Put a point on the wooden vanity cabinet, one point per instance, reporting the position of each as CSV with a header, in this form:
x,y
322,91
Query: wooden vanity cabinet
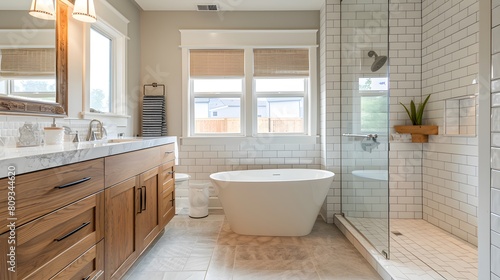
x,y
88,220
148,216
58,222
121,248
41,192
134,206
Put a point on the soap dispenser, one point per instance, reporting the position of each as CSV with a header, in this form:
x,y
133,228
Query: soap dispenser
x,y
53,135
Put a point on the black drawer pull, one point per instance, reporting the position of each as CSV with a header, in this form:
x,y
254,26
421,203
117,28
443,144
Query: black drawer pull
x,y
145,197
171,172
169,152
73,183
73,232
140,200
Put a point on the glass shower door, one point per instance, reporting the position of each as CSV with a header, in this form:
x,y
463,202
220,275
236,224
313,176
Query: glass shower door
x,y
365,119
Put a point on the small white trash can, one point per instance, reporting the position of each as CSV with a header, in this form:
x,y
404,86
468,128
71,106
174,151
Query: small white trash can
x,y
198,201
181,192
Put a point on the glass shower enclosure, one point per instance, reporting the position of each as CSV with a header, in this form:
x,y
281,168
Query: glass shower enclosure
x,y
365,118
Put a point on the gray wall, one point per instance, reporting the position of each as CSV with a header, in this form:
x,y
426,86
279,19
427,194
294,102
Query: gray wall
x,y
160,39
21,19
132,12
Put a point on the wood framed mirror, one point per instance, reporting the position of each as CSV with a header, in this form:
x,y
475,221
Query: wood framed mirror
x,y
59,108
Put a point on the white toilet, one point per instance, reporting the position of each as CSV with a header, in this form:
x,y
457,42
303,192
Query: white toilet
x,y
181,177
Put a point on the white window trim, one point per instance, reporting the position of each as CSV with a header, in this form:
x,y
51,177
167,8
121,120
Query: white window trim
x,y
305,94
241,95
249,39
118,65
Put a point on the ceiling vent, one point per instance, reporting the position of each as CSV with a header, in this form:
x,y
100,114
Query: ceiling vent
x,y
208,7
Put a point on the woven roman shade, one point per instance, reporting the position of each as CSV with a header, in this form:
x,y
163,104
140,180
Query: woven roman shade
x,y
16,63
281,62
217,63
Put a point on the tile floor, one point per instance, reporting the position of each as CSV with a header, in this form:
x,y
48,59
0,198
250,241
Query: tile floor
x,y
423,251
208,249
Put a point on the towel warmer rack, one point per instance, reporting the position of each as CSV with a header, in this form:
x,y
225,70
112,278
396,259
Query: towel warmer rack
x,y
154,85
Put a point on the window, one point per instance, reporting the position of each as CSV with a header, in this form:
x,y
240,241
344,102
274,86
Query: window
x,y
252,83
373,104
281,79
105,88
216,91
28,73
280,91
100,71
280,104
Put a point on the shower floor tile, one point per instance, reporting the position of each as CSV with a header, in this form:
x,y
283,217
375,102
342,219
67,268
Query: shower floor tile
x,y
422,251
208,249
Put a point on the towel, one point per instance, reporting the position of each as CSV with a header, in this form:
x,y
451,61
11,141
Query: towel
x,y
154,123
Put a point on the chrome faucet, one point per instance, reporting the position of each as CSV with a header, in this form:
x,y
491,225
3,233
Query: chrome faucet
x,y
93,135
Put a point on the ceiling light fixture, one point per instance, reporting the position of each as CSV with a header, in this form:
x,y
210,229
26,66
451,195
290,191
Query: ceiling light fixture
x,y
84,11
43,9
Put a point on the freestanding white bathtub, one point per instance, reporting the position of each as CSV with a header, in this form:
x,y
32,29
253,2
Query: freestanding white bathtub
x,y
272,202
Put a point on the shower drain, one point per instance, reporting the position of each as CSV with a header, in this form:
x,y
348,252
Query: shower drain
x,y
397,233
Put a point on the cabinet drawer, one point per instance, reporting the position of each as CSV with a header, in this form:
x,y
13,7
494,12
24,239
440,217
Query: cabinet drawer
x,y
47,245
89,266
167,207
41,192
167,176
168,152
123,166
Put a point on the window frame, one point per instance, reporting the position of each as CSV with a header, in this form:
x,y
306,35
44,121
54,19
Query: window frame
x,y
193,95
112,66
357,125
249,40
8,88
118,85
283,94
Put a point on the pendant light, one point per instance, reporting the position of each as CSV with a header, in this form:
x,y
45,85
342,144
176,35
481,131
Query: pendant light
x,y
84,11
43,9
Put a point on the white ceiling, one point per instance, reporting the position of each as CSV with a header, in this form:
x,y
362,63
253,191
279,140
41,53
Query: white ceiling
x,y
232,5
190,5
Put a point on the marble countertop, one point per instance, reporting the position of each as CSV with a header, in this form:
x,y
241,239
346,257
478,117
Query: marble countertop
x,y
29,159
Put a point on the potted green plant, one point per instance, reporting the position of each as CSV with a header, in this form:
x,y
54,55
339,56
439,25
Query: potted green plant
x,y
419,133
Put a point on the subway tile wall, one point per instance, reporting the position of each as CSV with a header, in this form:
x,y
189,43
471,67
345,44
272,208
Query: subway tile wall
x,y
10,124
495,131
364,28
405,57
330,102
199,161
460,116
9,127
405,164
449,70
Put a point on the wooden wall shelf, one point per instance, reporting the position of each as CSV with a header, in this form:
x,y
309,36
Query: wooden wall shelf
x,y
419,133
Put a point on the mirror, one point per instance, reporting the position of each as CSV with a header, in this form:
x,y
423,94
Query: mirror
x,y
44,96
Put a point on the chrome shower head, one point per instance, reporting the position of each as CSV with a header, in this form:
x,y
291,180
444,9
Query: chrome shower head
x,y
379,61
